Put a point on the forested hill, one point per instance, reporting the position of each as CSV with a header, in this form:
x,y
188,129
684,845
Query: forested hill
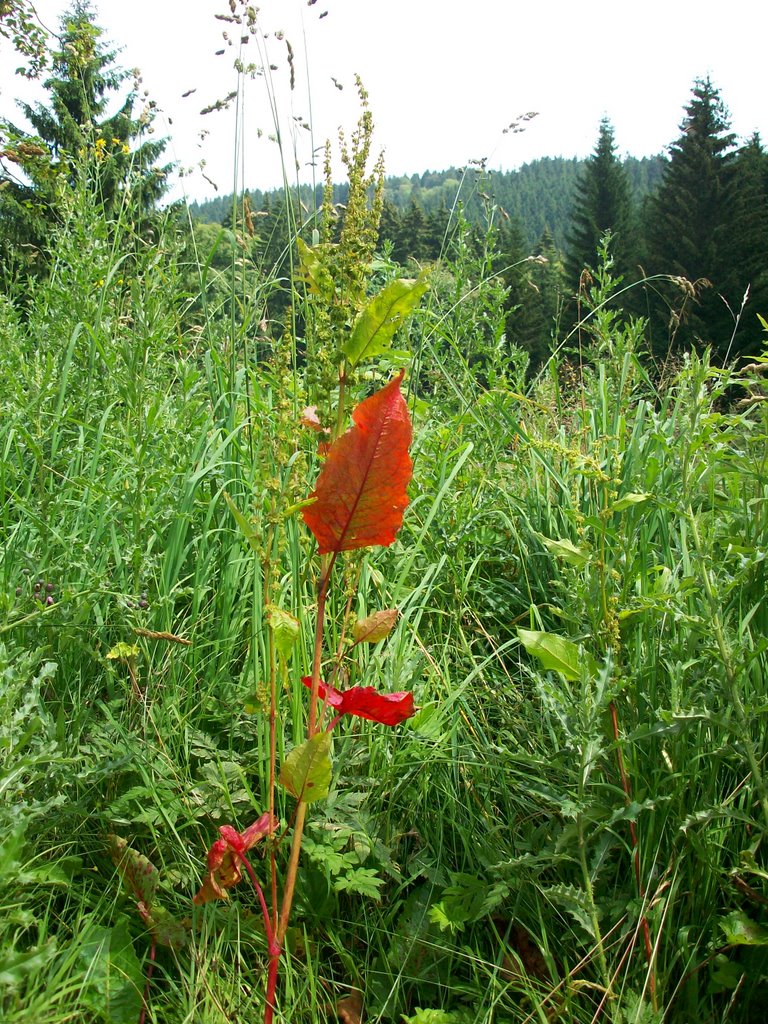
x,y
539,195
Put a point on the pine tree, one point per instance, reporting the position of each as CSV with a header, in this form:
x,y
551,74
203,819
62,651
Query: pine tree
x,y
74,137
536,296
689,221
602,203
746,246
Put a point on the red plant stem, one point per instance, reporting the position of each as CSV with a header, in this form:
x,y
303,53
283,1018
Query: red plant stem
x,y
267,566
274,947
150,972
635,856
326,567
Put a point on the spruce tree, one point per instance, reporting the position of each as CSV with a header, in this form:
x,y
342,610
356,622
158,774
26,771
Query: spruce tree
x,y
602,203
746,246
75,138
689,221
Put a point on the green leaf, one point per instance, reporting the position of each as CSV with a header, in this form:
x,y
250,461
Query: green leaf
x,y
245,526
114,977
566,550
556,653
741,930
376,325
629,499
576,902
18,965
285,629
306,772
364,881
167,930
123,652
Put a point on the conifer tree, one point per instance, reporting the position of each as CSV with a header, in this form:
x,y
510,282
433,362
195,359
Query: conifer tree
x,y
689,221
536,296
74,135
746,245
602,203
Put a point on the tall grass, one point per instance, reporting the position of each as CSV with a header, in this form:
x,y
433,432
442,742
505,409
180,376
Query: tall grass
x,y
530,847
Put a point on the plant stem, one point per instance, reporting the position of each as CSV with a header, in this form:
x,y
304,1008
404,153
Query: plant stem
x,y
150,972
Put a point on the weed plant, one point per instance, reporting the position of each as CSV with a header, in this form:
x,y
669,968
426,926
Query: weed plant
x,y
572,827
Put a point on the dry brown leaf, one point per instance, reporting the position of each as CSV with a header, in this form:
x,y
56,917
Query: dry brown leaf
x,y
350,1008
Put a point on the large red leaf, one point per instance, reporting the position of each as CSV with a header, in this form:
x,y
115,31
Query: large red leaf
x,y
361,491
366,702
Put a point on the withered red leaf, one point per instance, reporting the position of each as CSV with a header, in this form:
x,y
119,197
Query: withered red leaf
x,y
224,860
367,702
361,492
309,418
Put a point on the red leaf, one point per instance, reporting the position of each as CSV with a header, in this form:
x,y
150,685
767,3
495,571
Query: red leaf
x,y
361,491
366,702
224,861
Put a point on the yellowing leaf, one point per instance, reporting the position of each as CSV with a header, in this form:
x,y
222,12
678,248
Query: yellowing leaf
x,y
306,772
375,627
566,550
313,271
285,629
123,651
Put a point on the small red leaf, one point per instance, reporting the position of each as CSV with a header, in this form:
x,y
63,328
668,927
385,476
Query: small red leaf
x,y
224,858
366,702
361,491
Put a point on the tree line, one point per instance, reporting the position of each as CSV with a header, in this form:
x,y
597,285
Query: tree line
x,y
688,231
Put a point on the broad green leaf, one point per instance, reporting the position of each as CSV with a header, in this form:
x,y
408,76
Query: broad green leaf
x,y
17,965
556,653
114,977
627,500
741,930
376,325
285,629
306,772
566,550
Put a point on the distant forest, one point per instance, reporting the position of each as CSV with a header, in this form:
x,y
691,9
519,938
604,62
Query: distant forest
x,y
539,196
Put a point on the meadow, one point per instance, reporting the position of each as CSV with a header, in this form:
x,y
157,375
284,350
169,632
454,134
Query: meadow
x,y
572,824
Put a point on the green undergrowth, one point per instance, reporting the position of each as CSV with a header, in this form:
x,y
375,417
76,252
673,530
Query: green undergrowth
x,y
573,825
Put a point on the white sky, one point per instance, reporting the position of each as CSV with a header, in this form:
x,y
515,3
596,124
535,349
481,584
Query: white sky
x,y
445,78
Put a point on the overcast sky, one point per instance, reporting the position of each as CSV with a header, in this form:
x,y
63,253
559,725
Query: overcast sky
x,y
445,78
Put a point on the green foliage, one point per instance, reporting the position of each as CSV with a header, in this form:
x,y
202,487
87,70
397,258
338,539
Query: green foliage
x,y
602,203
580,582
306,771
74,141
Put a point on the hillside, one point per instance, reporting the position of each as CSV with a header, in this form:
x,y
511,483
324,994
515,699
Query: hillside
x,y
538,195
